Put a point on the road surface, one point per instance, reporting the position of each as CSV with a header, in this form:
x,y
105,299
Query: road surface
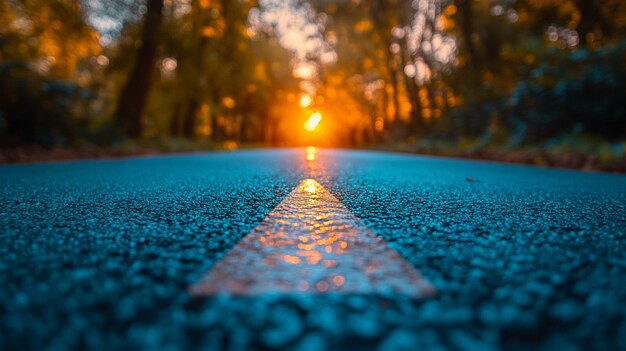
x,y
101,255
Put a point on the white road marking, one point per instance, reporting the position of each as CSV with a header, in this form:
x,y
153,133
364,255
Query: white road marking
x,y
311,243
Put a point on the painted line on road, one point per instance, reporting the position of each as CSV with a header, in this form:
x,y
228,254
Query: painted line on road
x,y
311,243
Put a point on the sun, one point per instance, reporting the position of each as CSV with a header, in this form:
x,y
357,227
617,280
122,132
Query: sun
x,y
314,120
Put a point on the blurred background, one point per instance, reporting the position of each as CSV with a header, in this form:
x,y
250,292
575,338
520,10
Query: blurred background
x,y
535,81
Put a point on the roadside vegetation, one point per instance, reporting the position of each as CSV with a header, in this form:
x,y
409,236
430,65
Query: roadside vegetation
x,y
540,82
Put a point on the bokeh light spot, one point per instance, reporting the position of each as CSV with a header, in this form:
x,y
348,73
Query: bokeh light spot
x,y
312,122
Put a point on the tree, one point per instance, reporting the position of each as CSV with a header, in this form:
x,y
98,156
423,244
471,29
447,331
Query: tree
x,y
45,47
133,97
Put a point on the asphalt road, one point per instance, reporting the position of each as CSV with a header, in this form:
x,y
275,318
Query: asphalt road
x,y
100,255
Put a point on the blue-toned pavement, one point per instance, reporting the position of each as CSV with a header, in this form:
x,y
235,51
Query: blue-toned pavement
x,y
100,255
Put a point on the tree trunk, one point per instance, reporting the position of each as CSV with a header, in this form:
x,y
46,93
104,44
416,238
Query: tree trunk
x,y
395,100
467,29
416,122
216,127
378,13
189,118
134,95
196,87
176,118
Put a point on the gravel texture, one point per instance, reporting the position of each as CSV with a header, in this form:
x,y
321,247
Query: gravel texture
x,y
99,255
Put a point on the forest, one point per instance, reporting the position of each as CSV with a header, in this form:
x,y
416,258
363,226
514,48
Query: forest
x,y
430,76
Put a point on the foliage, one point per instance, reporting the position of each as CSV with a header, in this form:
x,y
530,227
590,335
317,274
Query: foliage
x,y
582,91
36,109
509,72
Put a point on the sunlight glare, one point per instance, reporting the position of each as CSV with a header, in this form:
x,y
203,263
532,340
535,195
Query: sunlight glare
x,y
311,124
310,153
309,186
